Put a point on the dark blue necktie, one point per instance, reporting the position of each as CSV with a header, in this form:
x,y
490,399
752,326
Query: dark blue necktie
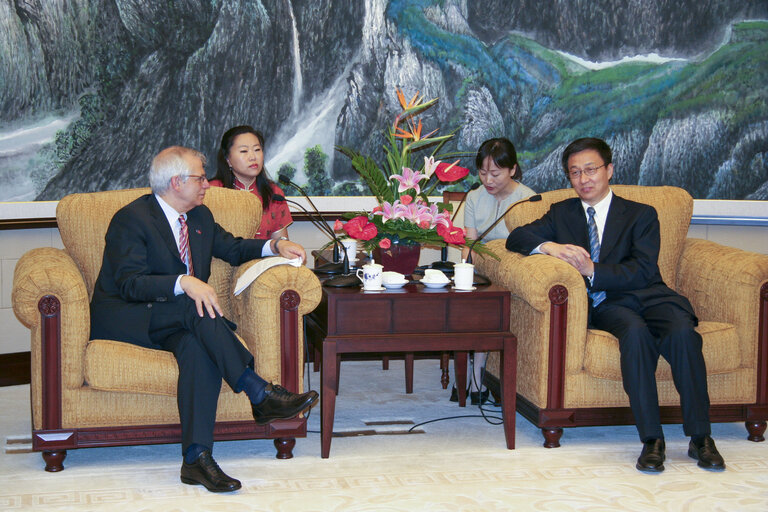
x,y
594,253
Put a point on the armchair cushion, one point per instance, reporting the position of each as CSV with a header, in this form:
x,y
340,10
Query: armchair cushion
x,y
116,366
601,359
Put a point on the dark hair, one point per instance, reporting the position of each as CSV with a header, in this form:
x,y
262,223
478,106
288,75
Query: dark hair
x,y
503,154
224,171
584,144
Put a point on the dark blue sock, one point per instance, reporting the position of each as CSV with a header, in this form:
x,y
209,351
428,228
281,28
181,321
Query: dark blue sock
x,y
253,385
193,452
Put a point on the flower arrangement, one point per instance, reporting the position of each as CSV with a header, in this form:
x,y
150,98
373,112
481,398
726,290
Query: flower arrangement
x,y
405,214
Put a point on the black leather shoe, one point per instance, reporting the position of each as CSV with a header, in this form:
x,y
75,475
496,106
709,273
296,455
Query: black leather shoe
x,y
205,471
281,404
707,455
652,457
479,397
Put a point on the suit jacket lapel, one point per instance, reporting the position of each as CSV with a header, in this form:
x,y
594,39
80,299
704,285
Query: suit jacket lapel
x,y
613,226
577,224
162,226
195,246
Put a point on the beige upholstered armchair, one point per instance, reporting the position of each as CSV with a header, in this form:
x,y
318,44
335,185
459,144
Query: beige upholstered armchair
x,y
105,393
569,375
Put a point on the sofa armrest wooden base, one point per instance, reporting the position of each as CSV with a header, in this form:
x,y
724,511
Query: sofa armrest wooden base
x,y
54,443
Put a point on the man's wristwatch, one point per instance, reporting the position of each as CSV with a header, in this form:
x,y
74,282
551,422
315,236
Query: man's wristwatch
x,y
277,240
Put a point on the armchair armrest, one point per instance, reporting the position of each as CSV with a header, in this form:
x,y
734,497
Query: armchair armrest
x,y
723,285
531,277
49,272
269,316
536,283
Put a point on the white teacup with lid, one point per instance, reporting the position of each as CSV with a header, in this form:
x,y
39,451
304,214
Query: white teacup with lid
x,y
463,275
371,276
350,246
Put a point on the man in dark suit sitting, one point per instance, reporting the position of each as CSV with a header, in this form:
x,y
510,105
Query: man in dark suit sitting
x,y
614,243
152,291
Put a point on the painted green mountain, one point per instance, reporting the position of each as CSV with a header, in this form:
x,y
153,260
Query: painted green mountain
x,y
701,124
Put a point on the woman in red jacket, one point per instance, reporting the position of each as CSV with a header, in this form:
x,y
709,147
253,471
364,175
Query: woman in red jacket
x,y
240,165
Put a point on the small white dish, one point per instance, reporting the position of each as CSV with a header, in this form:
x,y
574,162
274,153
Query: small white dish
x,y
434,284
464,289
395,285
374,289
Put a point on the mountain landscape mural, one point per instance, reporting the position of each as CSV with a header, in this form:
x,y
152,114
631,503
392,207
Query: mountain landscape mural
x,y
91,90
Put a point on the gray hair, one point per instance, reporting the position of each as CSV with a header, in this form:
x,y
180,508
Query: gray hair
x,y
169,163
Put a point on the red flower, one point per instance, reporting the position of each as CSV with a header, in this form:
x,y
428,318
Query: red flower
x,y
360,229
406,199
450,172
376,209
338,225
451,234
424,224
385,243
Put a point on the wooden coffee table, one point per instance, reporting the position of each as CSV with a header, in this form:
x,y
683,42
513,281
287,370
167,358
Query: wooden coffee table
x,y
413,319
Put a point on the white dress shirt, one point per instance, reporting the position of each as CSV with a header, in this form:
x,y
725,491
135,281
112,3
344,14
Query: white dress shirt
x,y
601,213
172,216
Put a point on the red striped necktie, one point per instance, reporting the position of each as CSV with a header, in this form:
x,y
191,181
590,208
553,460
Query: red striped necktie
x,y
184,245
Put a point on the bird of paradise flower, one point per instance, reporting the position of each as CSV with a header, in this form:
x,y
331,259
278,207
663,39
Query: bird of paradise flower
x,y
404,213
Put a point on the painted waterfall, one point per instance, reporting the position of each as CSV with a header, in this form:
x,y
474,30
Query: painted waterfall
x,y
91,89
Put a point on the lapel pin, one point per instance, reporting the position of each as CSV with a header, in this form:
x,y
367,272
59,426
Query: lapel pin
x,y
198,232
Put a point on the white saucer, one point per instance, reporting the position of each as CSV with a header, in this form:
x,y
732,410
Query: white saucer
x,y
429,284
464,289
374,289
395,286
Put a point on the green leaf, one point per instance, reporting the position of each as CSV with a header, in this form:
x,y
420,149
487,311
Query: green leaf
x,y
371,173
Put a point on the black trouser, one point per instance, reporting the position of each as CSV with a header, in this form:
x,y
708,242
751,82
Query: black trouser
x,y
666,330
206,351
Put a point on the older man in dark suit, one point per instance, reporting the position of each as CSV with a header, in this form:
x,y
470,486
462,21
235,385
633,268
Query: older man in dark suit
x,y
614,244
152,291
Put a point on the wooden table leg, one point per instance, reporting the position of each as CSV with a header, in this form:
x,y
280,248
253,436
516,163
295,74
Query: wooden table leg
x,y
460,365
329,387
445,362
509,389
408,372
338,372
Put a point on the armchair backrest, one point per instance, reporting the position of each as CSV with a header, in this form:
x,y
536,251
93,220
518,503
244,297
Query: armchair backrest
x,y
83,220
673,205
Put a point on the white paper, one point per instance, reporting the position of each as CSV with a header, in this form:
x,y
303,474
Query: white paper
x,y
256,270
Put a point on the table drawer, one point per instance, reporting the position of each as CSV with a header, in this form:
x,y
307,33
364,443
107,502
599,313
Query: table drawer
x,y
418,314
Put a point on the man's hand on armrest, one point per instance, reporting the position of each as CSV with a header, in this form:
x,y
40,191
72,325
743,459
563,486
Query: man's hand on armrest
x,y
203,294
288,249
574,255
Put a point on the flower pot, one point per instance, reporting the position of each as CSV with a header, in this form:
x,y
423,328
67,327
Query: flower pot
x,y
403,258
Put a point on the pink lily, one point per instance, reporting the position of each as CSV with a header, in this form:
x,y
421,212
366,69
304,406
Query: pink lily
x,y
419,214
430,165
388,211
443,218
409,179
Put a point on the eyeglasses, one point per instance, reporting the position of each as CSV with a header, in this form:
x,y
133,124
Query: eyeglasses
x,y
589,171
200,179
